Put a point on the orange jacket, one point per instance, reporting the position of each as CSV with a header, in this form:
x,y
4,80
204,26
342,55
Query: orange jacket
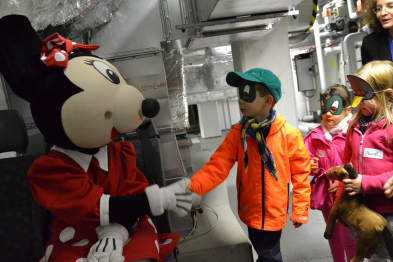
x,y
262,201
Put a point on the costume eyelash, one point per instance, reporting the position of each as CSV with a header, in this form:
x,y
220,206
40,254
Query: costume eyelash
x,y
89,62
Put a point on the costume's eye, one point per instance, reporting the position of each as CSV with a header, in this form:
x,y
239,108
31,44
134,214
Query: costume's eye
x,y
360,93
246,92
106,71
334,107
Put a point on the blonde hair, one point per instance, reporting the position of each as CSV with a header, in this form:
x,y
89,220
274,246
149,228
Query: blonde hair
x,y
371,19
379,75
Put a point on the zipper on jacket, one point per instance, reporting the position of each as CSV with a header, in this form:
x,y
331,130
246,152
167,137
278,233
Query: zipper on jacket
x,y
361,149
288,197
263,195
238,198
361,155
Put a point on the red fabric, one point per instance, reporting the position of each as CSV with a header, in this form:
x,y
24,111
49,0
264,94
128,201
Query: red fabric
x,y
59,184
55,50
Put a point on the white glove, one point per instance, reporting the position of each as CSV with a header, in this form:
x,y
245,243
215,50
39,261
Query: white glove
x,y
172,197
196,199
109,247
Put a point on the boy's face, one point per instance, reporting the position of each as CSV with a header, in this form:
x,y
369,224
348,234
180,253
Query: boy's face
x,y
259,108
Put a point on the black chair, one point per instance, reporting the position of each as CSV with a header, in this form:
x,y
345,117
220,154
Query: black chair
x,y
24,225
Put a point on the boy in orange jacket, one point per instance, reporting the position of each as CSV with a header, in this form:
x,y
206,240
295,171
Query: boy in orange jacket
x,y
270,155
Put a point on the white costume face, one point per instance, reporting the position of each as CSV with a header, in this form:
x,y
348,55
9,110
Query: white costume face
x,y
107,106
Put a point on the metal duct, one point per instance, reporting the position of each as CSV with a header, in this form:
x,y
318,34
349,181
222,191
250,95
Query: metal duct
x,y
174,71
205,73
71,18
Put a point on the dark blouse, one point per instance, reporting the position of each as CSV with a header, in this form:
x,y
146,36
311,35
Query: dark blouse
x,y
375,47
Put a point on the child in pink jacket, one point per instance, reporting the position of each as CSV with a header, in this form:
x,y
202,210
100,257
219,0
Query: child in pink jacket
x,y
325,145
369,144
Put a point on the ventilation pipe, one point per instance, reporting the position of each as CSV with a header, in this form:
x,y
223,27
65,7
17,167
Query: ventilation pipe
x,y
331,50
351,9
349,51
321,65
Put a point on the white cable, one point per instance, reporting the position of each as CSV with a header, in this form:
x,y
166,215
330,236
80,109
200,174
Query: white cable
x,y
190,236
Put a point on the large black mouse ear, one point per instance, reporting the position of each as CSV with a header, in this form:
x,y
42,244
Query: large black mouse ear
x,y
20,62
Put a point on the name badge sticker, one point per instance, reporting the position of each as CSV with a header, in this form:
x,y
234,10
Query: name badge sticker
x,y
373,153
321,153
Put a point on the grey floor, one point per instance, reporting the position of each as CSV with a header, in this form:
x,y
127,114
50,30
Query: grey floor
x,y
302,244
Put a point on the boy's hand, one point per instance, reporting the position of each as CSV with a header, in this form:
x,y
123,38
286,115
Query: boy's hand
x,y
333,189
172,197
314,165
388,188
353,186
297,224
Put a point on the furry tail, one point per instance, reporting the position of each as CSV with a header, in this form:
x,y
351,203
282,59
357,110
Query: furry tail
x,y
387,236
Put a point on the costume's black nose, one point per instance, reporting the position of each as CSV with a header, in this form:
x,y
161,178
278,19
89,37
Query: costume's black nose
x,y
150,107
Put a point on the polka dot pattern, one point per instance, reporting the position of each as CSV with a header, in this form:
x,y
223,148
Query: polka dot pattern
x,y
152,224
169,240
67,234
48,252
59,57
157,246
81,243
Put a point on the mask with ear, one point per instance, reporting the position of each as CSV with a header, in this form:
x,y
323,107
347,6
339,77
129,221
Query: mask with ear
x,y
78,101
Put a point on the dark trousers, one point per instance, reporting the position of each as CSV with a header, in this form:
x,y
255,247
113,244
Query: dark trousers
x,y
266,244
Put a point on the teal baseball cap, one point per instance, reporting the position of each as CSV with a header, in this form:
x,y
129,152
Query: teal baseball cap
x,y
257,75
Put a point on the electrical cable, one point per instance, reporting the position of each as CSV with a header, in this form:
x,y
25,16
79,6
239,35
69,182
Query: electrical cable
x,y
190,236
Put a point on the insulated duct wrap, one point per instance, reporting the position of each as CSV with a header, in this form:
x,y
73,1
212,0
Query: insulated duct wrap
x,y
71,18
205,73
174,66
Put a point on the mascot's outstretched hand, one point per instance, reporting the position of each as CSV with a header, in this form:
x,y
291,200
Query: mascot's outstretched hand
x,y
109,247
172,197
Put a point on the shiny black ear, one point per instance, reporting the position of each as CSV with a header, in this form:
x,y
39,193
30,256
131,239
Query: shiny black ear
x,y
20,62
351,170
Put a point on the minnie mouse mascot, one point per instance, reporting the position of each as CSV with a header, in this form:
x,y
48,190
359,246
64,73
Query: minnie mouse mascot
x,y
81,103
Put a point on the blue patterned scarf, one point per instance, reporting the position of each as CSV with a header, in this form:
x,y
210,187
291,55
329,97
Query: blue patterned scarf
x,y
254,130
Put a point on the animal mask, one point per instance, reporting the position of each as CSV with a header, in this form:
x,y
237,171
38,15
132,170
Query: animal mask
x,y
361,89
334,105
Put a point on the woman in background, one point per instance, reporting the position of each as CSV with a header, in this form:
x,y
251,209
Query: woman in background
x,y
378,45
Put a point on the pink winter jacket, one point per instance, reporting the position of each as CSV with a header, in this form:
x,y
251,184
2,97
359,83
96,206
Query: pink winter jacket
x,y
372,156
330,154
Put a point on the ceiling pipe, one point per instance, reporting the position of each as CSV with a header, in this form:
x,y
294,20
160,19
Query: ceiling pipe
x,y
331,50
349,51
351,9
318,47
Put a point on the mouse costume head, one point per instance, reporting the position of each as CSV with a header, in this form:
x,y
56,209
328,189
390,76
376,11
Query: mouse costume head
x,y
78,101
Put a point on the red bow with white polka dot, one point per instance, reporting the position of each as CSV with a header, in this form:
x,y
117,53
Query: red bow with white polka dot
x,y
55,50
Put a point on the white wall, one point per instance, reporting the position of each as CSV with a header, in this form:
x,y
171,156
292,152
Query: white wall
x,y
234,113
272,53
